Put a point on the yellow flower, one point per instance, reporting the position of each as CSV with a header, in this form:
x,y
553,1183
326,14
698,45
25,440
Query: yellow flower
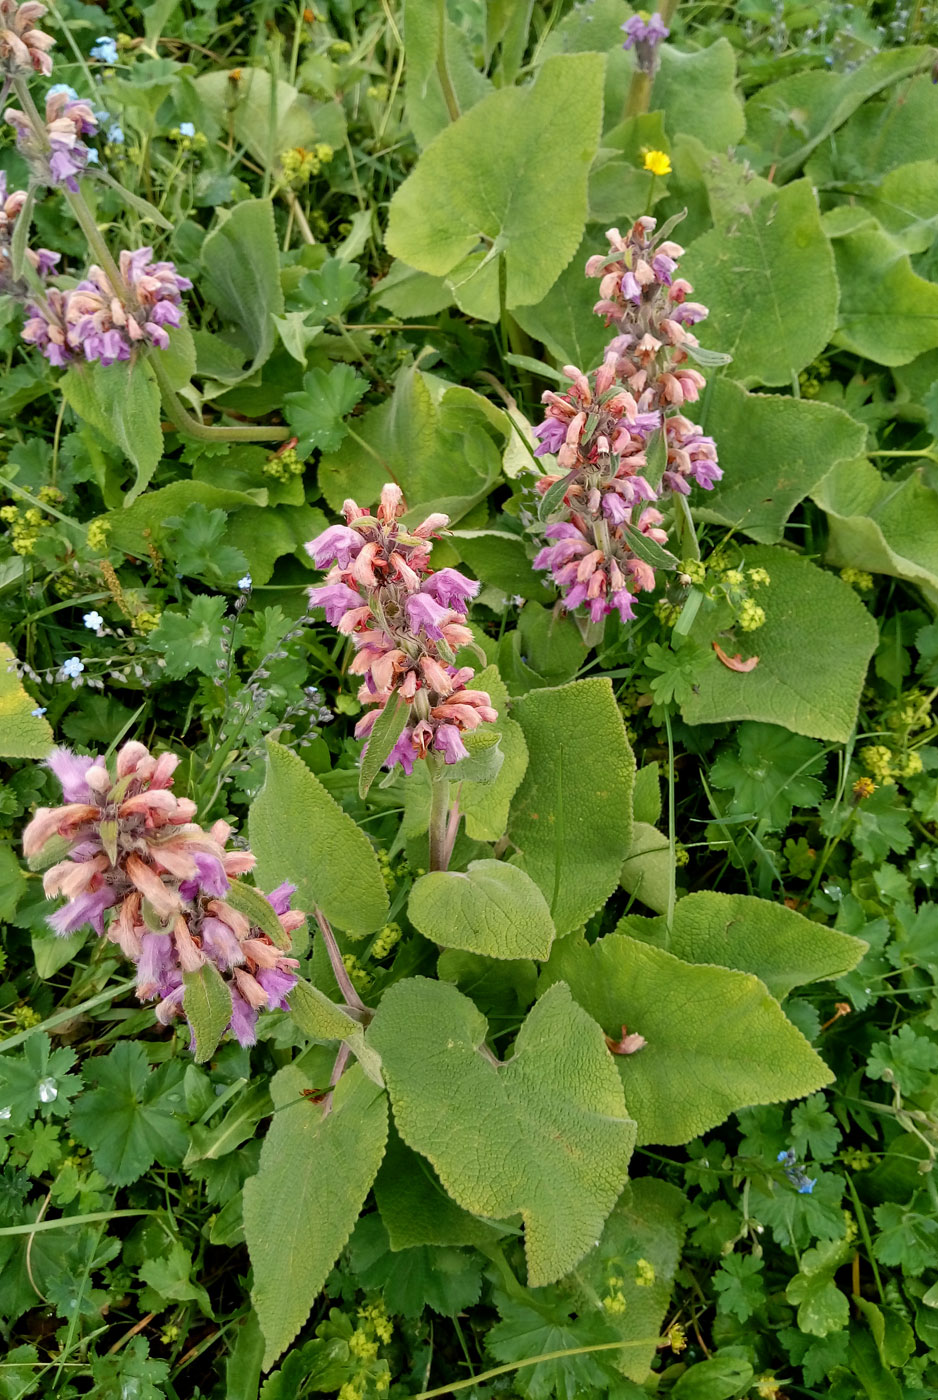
x,y
657,162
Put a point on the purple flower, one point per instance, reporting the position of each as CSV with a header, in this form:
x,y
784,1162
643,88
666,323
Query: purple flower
x,y
336,545
277,984
623,600
87,908
645,38
706,472
70,769
630,288
402,752
423,612
614,508
336,598
158,965
450,588
551,434
279,899
212,877
243,1023
221,944
663,268
448,742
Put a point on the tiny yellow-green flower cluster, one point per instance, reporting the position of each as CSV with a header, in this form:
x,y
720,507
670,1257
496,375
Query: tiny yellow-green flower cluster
x,y
887,765
375,1315
360,976
283,465
858,579
25,1016
751,616
910,712
676,1338
810,379
98,532
25,527
145,622
387,939
615,1302
644,1273
695,569
667,613
299,164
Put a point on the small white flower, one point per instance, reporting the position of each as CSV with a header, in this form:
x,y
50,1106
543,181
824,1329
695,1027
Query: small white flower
x,y
73,667
186,129
245,583
93,621
39,711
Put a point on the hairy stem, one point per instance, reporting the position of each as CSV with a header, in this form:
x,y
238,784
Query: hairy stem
x,y
449,95
640,88
182,419
338,966
439,820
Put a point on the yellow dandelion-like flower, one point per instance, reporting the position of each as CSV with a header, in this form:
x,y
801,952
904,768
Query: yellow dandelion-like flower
x,y
657,162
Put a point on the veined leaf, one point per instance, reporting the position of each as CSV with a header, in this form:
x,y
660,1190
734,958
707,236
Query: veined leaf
x,y
207,1004
22,733
493,908
388,728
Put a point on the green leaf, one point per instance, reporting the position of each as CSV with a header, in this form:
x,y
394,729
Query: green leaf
x,y
687,84
122,402
717,1378
907,1060
483,762
799,441
198,548
740,1286
168,1277
813,1129
193,641
322,1019
299,833
207,1006
316,412
727,1046
812,619
564,320
456,198
128,527
552,1327
646,870
22,734
268,117
572,815
545,1134
632,1269
258,908
21,1077
646,796
330,289
787,120
880,524
493,909
887,312
822,1308
775,943
501,561
770,775
315,1172
415,1208
908,1234
388,728
129,1120
241,275
758,275
435,440
409,1280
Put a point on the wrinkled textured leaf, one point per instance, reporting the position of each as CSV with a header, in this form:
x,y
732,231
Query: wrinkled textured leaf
x,y
122,402
22,734
299,833
545,1134
207,1004
716,1040
299,1210
492,908
572,816
879,524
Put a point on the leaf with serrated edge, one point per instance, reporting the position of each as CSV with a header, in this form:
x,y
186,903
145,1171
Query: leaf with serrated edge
x,y
299,833
546,1133
206,1002
572,815
299,1210
716,1041
752,935
492,908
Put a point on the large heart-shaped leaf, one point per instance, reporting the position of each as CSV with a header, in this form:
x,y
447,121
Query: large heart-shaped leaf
x,y
492,908
716,1041
546,1134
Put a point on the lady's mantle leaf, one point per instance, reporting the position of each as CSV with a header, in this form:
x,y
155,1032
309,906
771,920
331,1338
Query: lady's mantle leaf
x,y
716,1040
546,1134
493,909
300,1209
129,1120
316,412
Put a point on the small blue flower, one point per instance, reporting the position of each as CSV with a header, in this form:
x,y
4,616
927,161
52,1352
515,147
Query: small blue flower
x,y
807,1186
104,50
93,157
186,129
73,667
93,620
115,135
245,583
783,1156
39,711
63,87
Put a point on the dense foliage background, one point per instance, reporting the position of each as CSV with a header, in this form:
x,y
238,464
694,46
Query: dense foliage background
x,y
152,585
